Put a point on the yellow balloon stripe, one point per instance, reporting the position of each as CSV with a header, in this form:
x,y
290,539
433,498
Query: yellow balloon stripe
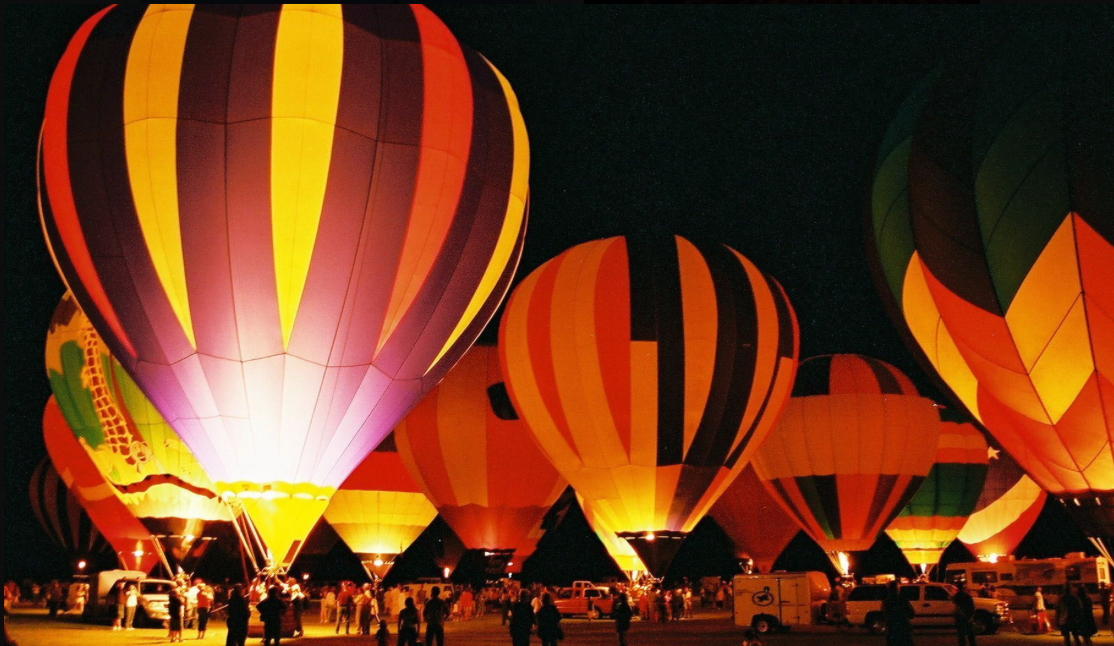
x,y
150,138
309,55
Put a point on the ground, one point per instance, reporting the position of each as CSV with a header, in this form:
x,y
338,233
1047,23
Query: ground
x,y
33,628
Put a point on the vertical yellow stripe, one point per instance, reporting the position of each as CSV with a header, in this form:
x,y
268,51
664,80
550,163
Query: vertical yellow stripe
x,y
309,56
512,222
150,142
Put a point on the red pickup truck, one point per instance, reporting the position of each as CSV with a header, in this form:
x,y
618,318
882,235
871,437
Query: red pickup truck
x,y
577,600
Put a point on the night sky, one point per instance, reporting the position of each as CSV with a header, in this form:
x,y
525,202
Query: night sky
x,y
753,126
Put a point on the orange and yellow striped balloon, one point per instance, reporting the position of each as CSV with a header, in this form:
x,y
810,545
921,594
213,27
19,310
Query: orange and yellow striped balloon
x,y
852,447
649,370
474,459
287,222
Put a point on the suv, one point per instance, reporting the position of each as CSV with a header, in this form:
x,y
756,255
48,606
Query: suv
x,y
932,606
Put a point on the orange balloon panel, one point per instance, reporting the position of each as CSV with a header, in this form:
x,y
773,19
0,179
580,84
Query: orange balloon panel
x,y
853,445
755,522
475,460
649,371
618,549
133,543
380,510
993,227
1006,510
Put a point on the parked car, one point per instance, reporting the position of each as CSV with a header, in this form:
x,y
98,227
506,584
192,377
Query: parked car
x,y
574,601
932,606
154,596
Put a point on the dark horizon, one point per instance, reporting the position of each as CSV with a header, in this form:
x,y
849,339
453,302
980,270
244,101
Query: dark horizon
x,y
752,126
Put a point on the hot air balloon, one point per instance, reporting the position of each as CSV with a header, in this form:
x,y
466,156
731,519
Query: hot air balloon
x,y
134,448
62,517
287,222
755,522
1005,511
470,453
617,548
648,371
135,548
992,222
939,509
852,447
379,510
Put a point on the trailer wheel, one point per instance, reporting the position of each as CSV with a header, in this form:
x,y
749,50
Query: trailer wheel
x,y
763,624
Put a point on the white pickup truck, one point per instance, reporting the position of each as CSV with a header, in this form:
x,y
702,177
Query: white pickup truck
x,y
932,606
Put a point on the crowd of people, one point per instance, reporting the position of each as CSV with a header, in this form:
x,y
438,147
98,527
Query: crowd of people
x,y
421,610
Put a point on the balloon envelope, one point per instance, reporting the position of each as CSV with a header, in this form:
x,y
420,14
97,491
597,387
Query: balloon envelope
x,y
61,515
649,371
1008,506
617,548
852,447
992,221
134,448
380,510
286,221
135,548
754,521
940,507
472,456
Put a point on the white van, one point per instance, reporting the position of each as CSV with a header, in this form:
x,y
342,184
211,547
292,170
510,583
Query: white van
x,y
779,600
154,596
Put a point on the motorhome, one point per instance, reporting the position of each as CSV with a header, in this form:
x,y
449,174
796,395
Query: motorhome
x,y
1017,580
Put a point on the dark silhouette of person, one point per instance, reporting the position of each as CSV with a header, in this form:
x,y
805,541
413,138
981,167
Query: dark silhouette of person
x,y
622,613
434,613
409,623
270,611
964,616
549,622
522,620
898,613
1085,625
1067,616
238,615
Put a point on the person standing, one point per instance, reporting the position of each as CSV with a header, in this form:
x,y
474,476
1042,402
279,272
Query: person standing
x,y
1040,613
205,596
522,620
505,606
344,608
298,602
131,601
898,614
238,615
622,613
1085,626
662,606
964,616
117,598
359,601
1104,603
174,609
409,624
434,613
270,611
328,605
1067,615
548,619
53,598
